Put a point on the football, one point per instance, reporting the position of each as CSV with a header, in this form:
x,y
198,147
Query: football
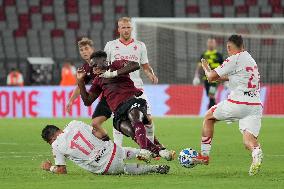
x,y
186,157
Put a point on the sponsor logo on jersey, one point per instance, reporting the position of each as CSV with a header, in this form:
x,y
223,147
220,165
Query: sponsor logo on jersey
x,y
135,47
117,47
126,57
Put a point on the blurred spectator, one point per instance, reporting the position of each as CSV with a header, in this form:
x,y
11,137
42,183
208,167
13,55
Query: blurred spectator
x,y
15,78
68,74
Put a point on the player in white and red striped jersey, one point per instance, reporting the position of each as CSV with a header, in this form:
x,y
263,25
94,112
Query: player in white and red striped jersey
x,y
127,48
243,103
78,143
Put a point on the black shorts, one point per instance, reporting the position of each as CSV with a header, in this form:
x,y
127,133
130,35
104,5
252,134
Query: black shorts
x,y
121,113
102,109
211,88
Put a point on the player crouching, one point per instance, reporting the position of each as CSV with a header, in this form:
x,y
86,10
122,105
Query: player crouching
x,y
78,143
243,103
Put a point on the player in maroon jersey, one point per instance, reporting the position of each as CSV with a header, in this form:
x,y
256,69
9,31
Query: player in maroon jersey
x,y
130,112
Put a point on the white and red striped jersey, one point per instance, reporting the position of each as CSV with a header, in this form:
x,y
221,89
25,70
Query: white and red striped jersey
x,y
133,51
244,78
78,144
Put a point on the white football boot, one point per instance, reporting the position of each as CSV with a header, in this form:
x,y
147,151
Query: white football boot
x,y
257,157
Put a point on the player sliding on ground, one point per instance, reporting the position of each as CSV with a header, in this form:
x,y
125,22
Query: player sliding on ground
x,y
78,142
243,103
130,111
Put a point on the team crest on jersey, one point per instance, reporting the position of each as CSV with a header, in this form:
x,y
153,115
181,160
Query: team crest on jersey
x,y
135,47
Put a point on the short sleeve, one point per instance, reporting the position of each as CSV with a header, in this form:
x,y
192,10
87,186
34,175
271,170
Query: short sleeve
x,y
144,55
229,65
95,88
59,158
107,50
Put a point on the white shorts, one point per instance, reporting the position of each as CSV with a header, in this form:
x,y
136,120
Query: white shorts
x,y
249,116
145,97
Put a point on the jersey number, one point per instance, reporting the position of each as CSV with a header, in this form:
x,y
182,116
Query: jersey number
x,y
251,82
79,138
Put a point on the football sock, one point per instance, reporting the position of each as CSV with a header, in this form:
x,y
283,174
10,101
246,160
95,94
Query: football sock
x,y
135,169
256,150
130,153
117,137
141,139
211,103
150,132
205,145
140,135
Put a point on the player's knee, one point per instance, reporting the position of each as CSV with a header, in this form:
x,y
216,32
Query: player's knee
x,y
135,115
150,120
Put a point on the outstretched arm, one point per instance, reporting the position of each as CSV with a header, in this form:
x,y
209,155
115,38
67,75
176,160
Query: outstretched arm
x,y
130,67
148,70
59,169
210,74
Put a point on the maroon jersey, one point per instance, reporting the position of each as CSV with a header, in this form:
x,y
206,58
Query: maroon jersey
x,y
89,73
116,90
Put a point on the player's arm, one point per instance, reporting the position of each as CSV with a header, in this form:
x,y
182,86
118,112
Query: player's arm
x,y
58,169
196,79
149,72
130,67
210,74
75,94
88,98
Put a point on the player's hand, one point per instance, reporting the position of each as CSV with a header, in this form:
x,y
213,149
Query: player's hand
x,y
69,106
46,165
205,64
196,81
109,74
81,73
153,78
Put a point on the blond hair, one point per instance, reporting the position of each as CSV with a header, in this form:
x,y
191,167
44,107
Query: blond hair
x,y
85,41
124,19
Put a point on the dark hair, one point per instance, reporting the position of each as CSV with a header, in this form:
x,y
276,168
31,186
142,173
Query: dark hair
x,y
99,54
48,132
237,40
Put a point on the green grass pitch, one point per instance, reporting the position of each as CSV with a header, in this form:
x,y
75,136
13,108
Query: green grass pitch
x,y
22,150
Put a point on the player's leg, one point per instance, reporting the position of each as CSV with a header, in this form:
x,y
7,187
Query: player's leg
x,y
211,94
250,127
100,115
138,169
207,135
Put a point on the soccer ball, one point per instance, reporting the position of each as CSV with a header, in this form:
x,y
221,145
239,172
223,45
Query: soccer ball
x,y
186,157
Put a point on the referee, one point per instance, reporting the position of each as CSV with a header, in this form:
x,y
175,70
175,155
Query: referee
x,y
214,59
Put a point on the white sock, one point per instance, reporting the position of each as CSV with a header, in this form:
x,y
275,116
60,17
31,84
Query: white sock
x,y
150,132
206,146
130,153
117,137
138,169
256,151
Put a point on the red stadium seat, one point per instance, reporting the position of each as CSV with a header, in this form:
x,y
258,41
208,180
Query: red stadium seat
x,y
216,2
243,9
73,25
34,9
9,3
264,26
265,14
47,17
71,6
119,9
46,2
217,15
57,33
228,2
24,20
193,9
20,33
95,2
267,41
278,10
275,2
97,17
251,2
2,14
